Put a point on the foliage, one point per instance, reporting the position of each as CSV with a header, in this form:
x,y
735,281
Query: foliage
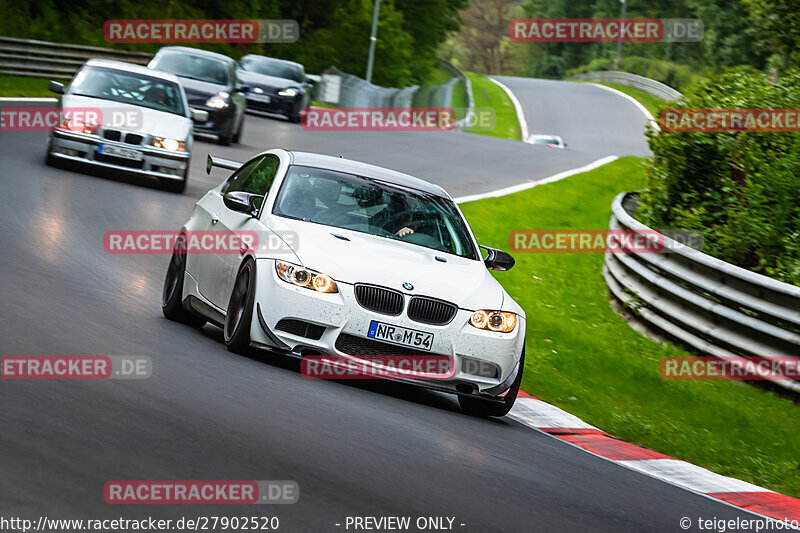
x,y
742,189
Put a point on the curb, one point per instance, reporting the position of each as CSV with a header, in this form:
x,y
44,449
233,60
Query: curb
x,y
559,424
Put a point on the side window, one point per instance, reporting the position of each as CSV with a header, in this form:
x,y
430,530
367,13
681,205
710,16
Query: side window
x,y
255,177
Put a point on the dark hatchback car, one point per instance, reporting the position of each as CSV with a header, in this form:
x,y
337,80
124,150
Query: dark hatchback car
x,y
276,85
211,84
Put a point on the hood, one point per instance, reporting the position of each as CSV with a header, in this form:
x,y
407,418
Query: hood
x,y
154,122
389,263
254,79
201,89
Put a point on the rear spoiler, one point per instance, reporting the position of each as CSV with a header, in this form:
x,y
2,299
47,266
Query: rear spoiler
x,y
221,163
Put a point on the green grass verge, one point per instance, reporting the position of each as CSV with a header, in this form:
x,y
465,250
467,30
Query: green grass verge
x,y
25,87
654,104
584,358
489,95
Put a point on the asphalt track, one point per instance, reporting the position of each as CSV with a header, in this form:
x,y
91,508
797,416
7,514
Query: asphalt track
x,y
354,449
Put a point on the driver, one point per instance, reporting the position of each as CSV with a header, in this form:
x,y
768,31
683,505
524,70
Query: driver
x,y
398,216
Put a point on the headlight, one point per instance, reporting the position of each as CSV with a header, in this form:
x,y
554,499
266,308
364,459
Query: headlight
x,y
169,144
78,126
493,320
303,277
218,101
291,91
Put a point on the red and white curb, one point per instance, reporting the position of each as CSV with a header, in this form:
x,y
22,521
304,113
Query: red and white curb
x,y
542,416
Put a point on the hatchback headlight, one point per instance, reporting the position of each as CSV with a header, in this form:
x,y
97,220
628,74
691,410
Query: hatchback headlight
x,y
291,91
304,277
169,144
218,101
503,321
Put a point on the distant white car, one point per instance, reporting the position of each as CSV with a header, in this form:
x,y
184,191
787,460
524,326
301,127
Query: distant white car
x,y
156,143
383,264
553,141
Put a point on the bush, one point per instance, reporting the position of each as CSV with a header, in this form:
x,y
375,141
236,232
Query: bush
x,y
741,189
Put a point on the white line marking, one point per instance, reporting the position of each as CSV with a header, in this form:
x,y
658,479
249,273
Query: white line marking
x,y
541,414
26,99
523,124
531,184
634,101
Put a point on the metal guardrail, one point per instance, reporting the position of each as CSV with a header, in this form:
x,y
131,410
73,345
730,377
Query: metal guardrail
x,y
41,59
656,88
711,306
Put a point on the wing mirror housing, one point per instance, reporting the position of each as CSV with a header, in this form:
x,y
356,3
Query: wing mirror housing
x,y
56,87
498,259
243,202
199,115
242,89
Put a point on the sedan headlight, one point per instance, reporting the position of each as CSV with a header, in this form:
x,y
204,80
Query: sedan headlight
x,y
303,277
291,91
169,144
503,321
218,101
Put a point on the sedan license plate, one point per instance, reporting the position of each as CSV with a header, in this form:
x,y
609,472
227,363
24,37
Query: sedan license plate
x,y
261,98
118,151
401,336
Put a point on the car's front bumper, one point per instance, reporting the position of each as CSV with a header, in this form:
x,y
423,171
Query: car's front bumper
x,y
82,148
219,123
281,105
340,314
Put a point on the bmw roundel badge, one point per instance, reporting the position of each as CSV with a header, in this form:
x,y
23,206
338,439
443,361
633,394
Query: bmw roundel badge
x,y
407,286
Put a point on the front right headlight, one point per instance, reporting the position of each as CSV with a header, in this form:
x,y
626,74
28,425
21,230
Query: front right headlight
x,y
290,91
304,277
502,321
218,101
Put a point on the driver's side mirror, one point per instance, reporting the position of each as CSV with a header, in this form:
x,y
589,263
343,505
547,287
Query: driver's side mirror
x,y
244,89
243,202
498,259
56,87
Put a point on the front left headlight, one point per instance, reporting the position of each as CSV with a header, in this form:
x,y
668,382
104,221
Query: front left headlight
x,y
169,144
291,91
218,101
502,321
304,277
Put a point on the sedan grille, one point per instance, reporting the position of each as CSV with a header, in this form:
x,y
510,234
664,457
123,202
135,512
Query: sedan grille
x,y
380,300
352,345
112,135
133,138
430,311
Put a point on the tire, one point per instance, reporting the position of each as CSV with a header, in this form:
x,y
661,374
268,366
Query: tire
x,y
294,119
485,408
240,309
49,160
237,138
172,294
175,185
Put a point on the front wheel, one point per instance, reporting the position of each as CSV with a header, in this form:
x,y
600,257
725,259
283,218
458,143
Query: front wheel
x,y
240,309
484,408
171,298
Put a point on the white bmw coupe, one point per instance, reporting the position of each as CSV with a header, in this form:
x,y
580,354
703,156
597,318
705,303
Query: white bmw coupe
x,y
371,263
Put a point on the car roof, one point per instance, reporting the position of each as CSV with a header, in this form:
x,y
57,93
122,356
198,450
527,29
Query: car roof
x,y
276,60
366,170
196,52
130,67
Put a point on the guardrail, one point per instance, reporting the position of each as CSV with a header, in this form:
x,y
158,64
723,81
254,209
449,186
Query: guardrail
x,y
711,306
656,88
41,59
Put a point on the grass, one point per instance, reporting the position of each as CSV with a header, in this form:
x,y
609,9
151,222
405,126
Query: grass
x,y
25,87
584,358
654,104
489,95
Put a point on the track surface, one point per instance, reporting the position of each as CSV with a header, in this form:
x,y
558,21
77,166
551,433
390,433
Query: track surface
x,y
354,449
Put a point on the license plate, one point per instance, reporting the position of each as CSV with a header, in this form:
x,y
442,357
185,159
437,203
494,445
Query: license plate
x,y
118,151
261,98
401,336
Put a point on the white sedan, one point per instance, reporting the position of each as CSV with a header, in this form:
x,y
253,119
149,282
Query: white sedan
x,y
370,263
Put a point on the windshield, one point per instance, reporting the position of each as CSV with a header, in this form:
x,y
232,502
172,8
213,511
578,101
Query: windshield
x,y
128,88
369,206
193,67
268,67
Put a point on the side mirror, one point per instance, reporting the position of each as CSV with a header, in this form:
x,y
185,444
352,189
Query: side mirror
x,y
56,87
243,202
498,259
199,115
242,89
